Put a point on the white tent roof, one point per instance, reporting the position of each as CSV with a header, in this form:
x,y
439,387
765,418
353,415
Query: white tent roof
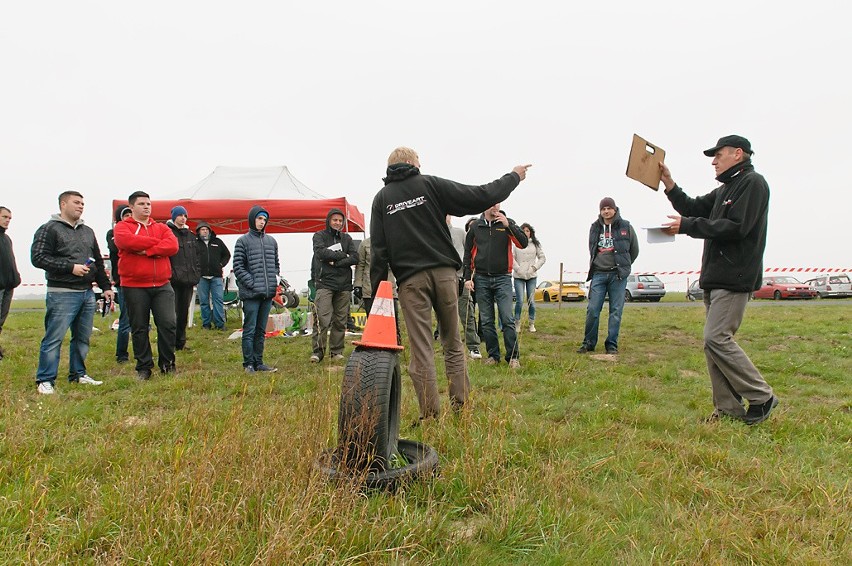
x,y
250,183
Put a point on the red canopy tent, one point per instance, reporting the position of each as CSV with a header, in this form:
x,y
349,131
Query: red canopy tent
x,y
223,199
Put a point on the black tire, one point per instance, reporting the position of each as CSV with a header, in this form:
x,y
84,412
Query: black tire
x,y
690,297
655,299
776,295
628,297
546,297
368,422
422,462
291,300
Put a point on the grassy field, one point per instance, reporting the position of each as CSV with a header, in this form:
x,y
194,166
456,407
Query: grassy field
x,y
571,460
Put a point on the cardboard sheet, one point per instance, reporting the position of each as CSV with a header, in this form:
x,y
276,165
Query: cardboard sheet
x,y
643,165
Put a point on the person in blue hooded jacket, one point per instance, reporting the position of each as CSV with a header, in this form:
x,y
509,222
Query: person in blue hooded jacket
x,y
256,267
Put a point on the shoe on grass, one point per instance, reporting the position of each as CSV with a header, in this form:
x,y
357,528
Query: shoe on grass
x,y
489,361
264,367
584,349
757,413
249,369
87,380
475,354
336,357
514,363
612,351
532,326
143,374
45,388
315,359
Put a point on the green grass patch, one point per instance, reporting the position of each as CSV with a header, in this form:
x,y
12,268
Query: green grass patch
x,y
574,459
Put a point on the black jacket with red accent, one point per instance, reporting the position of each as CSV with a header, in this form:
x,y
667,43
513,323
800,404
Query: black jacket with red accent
x,y
488,247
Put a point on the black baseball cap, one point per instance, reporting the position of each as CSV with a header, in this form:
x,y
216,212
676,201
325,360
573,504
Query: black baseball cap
x,y
730,141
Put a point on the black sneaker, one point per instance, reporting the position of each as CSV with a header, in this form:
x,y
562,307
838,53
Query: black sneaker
x,y
122,360
612,351
249,369
759,413
584,349
264,367
143,374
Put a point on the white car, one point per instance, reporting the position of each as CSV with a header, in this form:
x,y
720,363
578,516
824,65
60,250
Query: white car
x,y
833,285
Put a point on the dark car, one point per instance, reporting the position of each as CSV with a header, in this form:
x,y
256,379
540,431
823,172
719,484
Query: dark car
x,y
784,287
695,293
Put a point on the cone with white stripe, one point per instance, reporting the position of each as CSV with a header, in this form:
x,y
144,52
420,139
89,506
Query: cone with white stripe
x,y
380,330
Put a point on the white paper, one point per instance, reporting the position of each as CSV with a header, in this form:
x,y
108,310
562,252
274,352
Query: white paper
x,y
336,247
657,235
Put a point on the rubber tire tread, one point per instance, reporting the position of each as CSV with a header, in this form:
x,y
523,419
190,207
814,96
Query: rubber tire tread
x,y
368,420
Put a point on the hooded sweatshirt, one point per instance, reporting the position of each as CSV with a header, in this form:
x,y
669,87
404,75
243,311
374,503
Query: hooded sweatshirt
x,y
186,263
408,227
256,264
612,247
214,253
334,255
143,252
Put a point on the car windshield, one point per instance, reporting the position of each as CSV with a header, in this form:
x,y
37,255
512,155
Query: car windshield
x,y
839,279
648,278
785,280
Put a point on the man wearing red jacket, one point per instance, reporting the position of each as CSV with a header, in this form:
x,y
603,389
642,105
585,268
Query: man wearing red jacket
x,y
144,248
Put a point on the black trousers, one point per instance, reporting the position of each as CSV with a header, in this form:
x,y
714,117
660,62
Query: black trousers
x,y
141,303
183,296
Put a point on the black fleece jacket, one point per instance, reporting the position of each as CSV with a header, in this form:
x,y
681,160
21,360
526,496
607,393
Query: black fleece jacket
x,y
408,228
488,247
732,220
214,253
332,269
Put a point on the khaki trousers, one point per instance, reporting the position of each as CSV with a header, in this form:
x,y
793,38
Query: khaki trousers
x,y
434,289
733,376
331,311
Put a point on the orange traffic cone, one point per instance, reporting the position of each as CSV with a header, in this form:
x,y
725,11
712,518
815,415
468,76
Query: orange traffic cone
x,y
380,330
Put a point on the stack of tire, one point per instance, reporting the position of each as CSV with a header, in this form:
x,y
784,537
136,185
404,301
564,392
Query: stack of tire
x,y
369,449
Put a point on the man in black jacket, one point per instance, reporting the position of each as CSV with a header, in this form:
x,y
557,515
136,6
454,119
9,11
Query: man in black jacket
x,y
211,286
9,276
334,255
732,221
613,247
122,337
186,270
68,252
488,272
409,233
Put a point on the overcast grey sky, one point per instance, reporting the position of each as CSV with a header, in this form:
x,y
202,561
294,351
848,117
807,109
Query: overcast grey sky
x,y
110,97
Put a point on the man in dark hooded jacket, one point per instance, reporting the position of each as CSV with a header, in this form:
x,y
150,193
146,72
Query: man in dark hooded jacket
x,y
211,287
186,270
409,233
613,247
9,276
256,268
334,255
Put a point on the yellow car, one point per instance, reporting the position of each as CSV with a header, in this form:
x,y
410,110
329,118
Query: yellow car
x,y
548,291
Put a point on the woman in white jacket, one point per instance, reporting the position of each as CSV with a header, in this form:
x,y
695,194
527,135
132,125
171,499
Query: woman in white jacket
x,y
527,262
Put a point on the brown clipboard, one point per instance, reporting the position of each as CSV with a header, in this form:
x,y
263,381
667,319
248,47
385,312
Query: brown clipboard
x,y
643,164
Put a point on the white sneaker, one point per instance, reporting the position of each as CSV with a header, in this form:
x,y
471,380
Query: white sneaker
x,y
475,355
89,381
337,357
514,363
45,388
532,326
315,359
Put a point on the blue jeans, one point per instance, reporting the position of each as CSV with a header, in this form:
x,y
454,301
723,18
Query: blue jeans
x,y
212,290
604,285
122,339
75,310
255,314
528,286
490,289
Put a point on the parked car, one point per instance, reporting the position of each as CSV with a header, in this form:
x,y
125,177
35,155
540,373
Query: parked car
x,y
548,291
644,287
831,285
784,287
695,293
